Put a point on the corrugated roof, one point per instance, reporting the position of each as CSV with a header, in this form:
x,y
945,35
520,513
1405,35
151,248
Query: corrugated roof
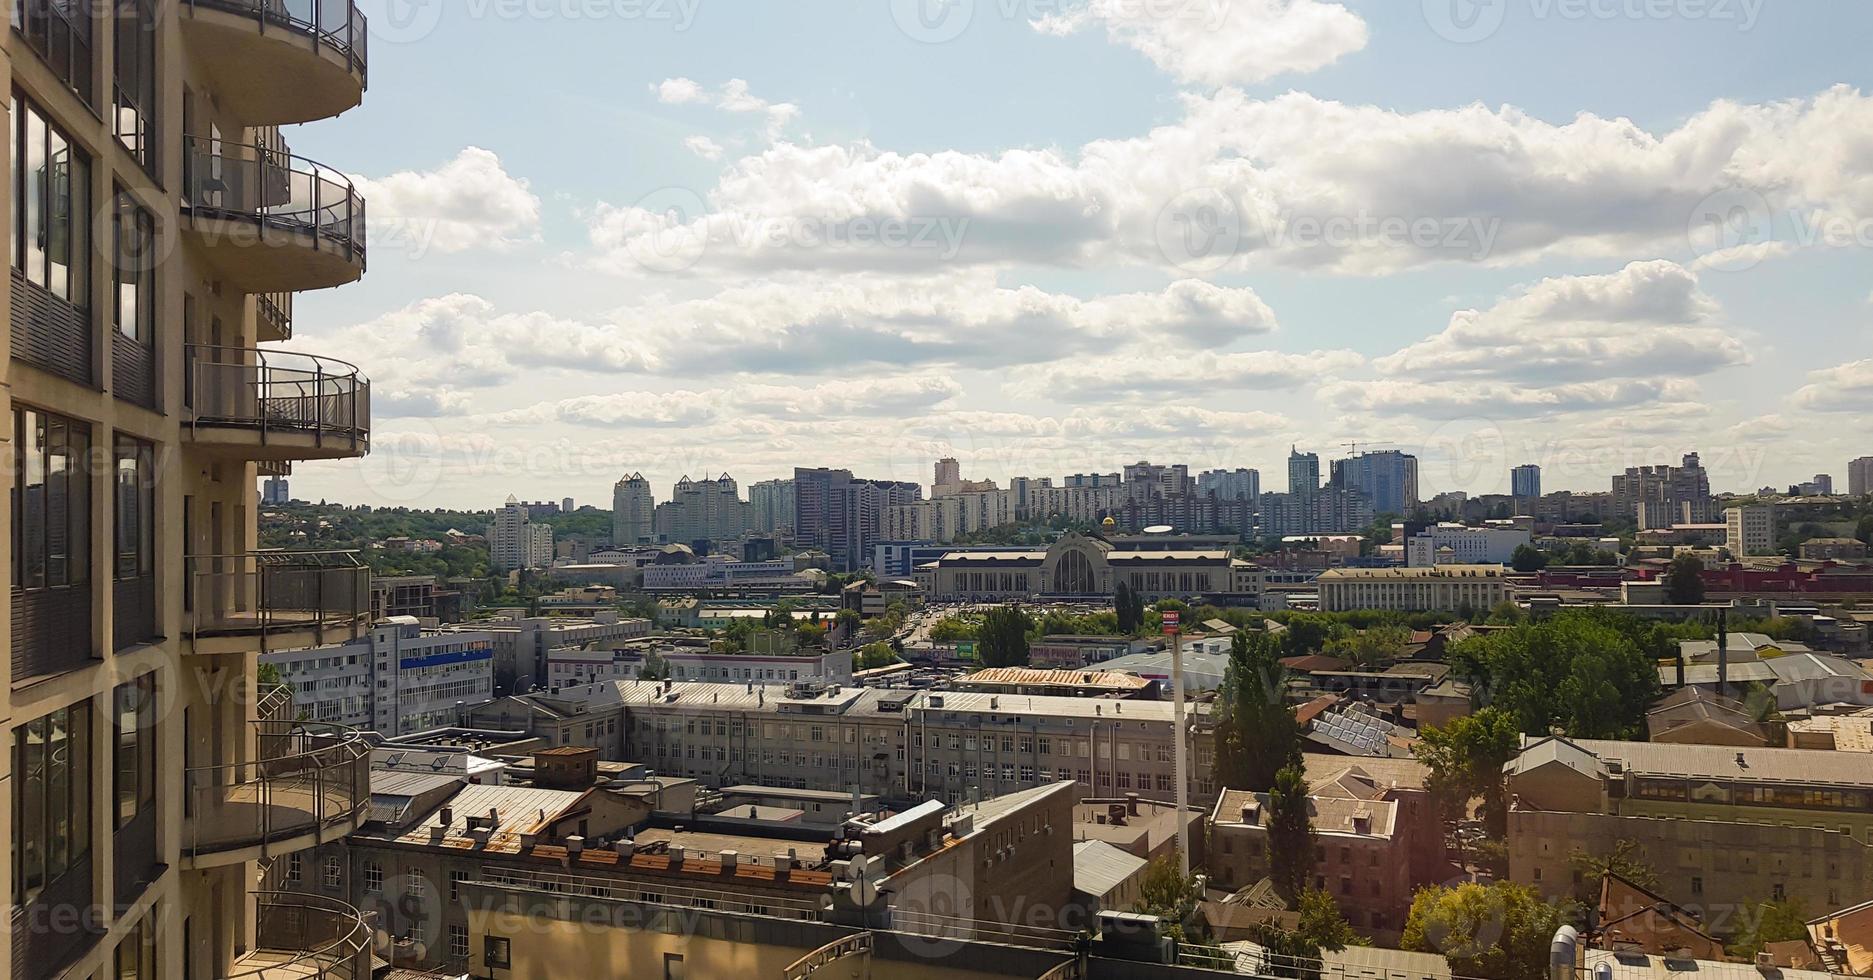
x,y
1810,766
1099,867
1065,678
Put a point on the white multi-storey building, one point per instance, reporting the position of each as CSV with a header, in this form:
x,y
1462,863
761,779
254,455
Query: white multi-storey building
x,y
771,502
515,542
714,573
1443,588
1456,544
394,680
946,517
632,510
573,666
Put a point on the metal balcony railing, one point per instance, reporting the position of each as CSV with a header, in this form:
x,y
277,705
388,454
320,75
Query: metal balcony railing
x,y
274,188
266,592
336,24
276,310
303,935
303,779
279,392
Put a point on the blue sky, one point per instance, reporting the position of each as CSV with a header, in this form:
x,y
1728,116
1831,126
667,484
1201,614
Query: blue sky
x,y
599,239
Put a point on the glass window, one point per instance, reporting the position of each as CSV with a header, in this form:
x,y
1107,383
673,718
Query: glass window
x,y
135,72
52,808
51,501
52,234
135,956
61,31
134,725
133,300
136,508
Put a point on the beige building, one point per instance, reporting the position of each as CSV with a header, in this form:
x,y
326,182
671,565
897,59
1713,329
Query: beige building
x,y
950,514
1442,588
160,227
1749,529
1089,565
1724,826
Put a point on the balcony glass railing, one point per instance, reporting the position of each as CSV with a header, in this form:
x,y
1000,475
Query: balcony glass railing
x,y
279,392
301,935
274,188
337,24
304,779
266,592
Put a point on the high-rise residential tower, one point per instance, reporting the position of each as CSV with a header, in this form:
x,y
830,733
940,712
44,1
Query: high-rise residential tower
x,y
633,511
156,789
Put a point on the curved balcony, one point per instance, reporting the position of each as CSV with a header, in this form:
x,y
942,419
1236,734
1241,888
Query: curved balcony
x,y
270,220
287,599
307,784
280,61
300,935
258,404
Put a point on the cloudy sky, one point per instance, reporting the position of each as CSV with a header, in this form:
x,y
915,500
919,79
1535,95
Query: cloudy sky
x,y
1052,236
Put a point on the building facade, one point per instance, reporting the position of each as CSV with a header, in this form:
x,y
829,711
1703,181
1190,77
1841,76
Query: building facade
x,y
1388,478
394,680
771,502
1750,529
160,227
1525,482
1456,544
1090,566
632,512
703,510
1440,588
1663,495
946,517
843,515
1860,476
515,542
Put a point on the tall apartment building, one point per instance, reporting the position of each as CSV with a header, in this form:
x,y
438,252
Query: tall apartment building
x,y
394,680
159,230
1236,484
1388,478
1525,482
632,512
515,542
1860,476
276,491
703,510
771,505
844,515
948,473
944,518
1332,510
1660,496
1749,529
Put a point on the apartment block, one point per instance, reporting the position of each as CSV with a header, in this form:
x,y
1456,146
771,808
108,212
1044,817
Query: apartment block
x,y
772,504
1750,529
633,512
515,542
1860,476
394,680
160,227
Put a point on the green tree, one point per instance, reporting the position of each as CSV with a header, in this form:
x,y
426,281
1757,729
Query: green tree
x,y
1003,640
1771,922
1527,558
655,668
1684,581
1499,931
1131,609
1167,894
1256,733
1320,929
1465,759
1626,859
1590,672
1290,833
874,655
1371,646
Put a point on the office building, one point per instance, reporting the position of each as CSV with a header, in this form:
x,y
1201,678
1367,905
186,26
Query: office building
x,y
1860,477
1730,822
632,512
843,515
155,255
1388,478
394,680
771,505
1440,588
703,510
1525,482
1457,544
515,542
1749,530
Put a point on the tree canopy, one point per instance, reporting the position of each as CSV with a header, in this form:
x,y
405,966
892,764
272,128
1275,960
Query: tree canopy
x,y
1290,833
1466,758
1321,928
1589,672
1684,581
1003,637
1167,894
1256,733
1499,931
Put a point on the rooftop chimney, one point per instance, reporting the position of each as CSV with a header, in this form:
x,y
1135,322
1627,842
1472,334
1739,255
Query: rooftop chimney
x,y
446,816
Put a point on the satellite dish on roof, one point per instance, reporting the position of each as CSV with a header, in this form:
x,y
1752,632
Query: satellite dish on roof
x,y
1160,529
865,891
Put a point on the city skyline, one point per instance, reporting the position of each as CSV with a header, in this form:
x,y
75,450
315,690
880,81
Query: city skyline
x,y
1014,286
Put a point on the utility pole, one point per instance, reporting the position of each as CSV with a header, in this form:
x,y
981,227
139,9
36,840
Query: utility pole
x,y
1173,626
